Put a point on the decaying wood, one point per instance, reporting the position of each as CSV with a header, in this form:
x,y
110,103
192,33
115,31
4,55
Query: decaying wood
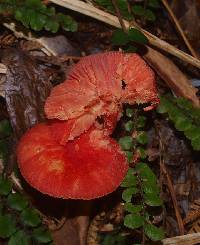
x,y
26,89
89,10
172,75
190,239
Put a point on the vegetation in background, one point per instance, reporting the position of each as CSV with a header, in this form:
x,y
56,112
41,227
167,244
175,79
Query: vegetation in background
x,y
37,16
141,194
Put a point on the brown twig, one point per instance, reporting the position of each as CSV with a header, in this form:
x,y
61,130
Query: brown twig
x,y
170,186
179,28
118,13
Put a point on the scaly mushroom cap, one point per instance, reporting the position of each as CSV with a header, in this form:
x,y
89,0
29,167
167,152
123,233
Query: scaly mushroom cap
x,y
88,167
98,85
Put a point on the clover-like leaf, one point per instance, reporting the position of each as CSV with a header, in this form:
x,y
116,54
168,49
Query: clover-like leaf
x,y
42,235
19,238
128,193
30,217
126,142
130,180
133,221
153,232
133,208
7,226
17,201
5,186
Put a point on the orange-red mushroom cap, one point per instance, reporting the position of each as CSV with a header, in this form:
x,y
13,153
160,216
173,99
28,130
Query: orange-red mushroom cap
x,y
88,167
99,80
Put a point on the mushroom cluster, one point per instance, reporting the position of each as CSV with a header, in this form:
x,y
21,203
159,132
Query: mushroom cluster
x,y
72,155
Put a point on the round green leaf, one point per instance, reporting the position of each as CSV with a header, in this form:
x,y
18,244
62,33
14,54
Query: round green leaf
x,y
128,193
19,238
126,142
17,201
196,144
5,128
150,188
133,208
153,232
129,155
41,235
133,221
129,112
30,218
5,186
7,226
130,179
141,121
120,37
193,132
145,173
152,200
142,138
129,126
137,36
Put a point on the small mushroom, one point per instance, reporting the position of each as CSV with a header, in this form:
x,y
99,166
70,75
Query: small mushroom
x,y
88,167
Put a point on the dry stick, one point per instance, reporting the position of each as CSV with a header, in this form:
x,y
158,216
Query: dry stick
x,y
89,10
165,3
121,21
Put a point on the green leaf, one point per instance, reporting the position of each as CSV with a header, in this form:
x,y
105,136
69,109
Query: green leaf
x,y
145,173
137,36
192,133
7,226
17,201
142,152
5,128
133,221
19,238
129,155
67,22
129,112
30,217
130,49
141,122
128,193
153,232
133,208
182,123
130,179
152,200
52,25
129,126
151,188
196,144
5,186
142,138
120,38
41,235
126,142
37,21
4,149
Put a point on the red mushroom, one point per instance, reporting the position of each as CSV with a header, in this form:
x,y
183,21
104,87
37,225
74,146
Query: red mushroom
x,y
72,155
88,167
98,85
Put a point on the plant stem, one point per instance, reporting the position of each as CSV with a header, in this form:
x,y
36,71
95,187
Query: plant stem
x,y
118,13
